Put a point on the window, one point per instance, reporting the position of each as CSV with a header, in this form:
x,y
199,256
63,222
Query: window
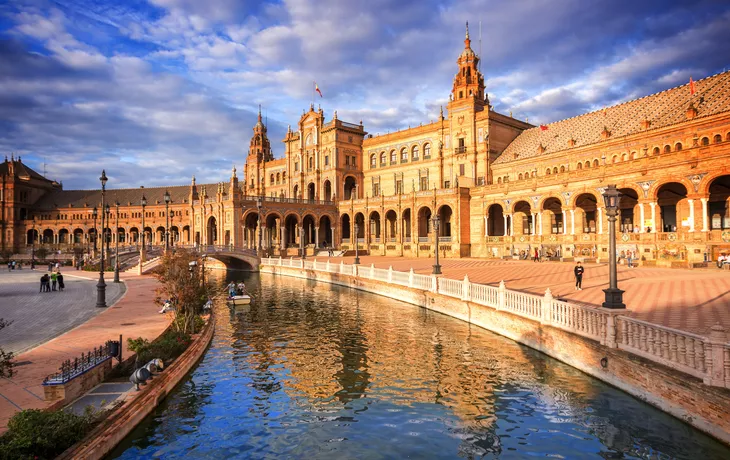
x,y
296,166
382,158
426,151
373,161
579,166
667,149
588,164
271,180
562,169
349,139
403,155
595,163
655,151
376,189
278,178
326,160
447,184
347,160
717,139
399,187
353,162
423,183
705,141
461,169
414,153
311,163
547,172
283,176
678,146
499,180
624,157
519,176
393,157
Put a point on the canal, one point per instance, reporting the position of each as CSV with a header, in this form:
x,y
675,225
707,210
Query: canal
x,y
312,370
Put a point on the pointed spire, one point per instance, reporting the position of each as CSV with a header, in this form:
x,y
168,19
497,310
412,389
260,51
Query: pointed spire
x,y
467,30
259,112
193,180
233,174
467,41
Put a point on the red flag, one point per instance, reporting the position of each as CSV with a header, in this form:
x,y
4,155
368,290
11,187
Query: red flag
x,y
691,87
316,88
543,127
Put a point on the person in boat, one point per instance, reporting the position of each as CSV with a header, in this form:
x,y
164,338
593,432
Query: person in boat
x,y
231,289
241,288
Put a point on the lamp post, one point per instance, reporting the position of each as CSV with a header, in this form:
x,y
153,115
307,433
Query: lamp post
x,y
94,214
357,254
32,247
167,221
101,285
614,295
436,221
107,238
116,246
258,223
143,202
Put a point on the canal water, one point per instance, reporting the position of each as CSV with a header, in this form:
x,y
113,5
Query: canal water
x,y
312,370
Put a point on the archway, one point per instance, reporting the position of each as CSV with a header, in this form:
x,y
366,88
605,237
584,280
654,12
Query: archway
x,y
78,236
328,191
325,231
47,236
391,226
445,214
186,234
374,222
121,235
406,224
718,206
424,223
522,224
211,231
291,230
309,231
311,195
134,235
160,235
359,226
295,191
554,208
350,188
495,220
272,230
63,236
250,227
668,196
629,200
345,227
148,237
588,204
175,235
31,236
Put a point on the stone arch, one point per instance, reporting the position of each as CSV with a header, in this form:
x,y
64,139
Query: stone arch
x,y
678,147
627,215
718,203
445,214
360,223
291,230
596,163
134,235
656,151
705,141
391,224
327,186
522,218
345,226
668,196
325,230
717,138
211,232
349,188
374,226
579,165
309,222
63,236
424,221
311,191
553,207
586,204
295,191
78,236
47,236
704,187
496,225
406,219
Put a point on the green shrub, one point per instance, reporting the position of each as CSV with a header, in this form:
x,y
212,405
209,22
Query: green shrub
x,y
198,323
167,347
40,434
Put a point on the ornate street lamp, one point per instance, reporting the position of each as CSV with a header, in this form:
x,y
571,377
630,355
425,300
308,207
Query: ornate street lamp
x,y
107,235
116,246
94,214
357,254
258,223
143,202
32,246
101,285
167,223
436,221
614,295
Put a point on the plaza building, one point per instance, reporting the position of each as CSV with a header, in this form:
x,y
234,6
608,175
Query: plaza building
x,y
500,187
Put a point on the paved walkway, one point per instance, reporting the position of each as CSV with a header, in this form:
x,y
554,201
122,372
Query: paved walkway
x,y
40,316
135,315
690,300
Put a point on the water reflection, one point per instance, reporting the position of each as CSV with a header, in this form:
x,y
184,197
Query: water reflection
x,y
316,371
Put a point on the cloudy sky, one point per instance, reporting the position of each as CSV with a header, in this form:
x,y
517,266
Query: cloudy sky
x,y
157,91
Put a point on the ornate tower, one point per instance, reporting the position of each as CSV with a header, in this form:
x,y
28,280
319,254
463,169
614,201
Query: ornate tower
x,y
468,82
259,152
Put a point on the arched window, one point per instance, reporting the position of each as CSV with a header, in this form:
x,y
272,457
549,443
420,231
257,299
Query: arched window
x,y
506,179
403,155
283,176
624,157
717,139
373,161
588,164
555,170
656,151
426,150
614,159
562,169
271,180
634,155
499,180
296,166
311,162
677,146
382,158
519,176
414,153
534,173
393,157
579,165
278,178
547,172
705,141
727,137
595,163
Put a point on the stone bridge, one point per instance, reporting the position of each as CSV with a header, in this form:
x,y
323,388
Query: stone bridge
x,y
231,256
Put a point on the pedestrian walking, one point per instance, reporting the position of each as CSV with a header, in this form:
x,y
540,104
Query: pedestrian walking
x,y
61,286
578,271
54,280
10,265
43,283
537,256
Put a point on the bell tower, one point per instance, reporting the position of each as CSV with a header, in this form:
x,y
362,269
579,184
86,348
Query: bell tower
x,y
259,152
468,82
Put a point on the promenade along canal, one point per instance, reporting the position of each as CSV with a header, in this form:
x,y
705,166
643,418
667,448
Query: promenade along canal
x,y
318,371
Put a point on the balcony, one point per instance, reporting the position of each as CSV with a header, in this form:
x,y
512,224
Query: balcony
x,y
460,149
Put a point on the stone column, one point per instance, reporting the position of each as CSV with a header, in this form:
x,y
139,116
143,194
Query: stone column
x,y
282,240
512,224
565,222
691,203
642,229
572,221
704,214
334,241
653,216
599,211
486,225
539,223
316,237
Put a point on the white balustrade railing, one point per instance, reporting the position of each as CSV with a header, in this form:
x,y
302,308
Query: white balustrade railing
x,y
707,358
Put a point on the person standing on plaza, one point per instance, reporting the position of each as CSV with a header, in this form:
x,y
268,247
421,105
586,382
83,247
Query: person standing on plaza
x,y
578,271
54,279
537,256
629,258
61,286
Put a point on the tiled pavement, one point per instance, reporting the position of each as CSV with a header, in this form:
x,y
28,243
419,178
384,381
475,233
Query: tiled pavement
x,y
135,315
40,316
690,300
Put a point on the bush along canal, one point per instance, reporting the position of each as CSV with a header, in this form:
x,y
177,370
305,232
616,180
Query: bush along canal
x,y
318,371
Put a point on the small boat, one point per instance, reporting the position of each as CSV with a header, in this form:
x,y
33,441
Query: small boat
x,y
239,300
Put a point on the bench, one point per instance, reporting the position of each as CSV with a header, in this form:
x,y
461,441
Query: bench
x,y
726,266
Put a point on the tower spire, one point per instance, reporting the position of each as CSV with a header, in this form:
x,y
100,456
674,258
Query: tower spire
x,y
259,112
467,41
467,30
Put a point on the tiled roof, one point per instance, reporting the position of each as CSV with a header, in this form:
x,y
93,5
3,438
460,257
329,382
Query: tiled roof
x,y
21,170
155,195
669,107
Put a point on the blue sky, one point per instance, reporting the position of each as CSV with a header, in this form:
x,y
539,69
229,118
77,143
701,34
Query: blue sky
x,y
158,91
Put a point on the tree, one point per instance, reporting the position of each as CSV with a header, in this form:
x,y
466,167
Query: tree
x,y
41,253
181,281
6,365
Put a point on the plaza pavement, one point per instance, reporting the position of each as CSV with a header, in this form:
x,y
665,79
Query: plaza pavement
x,y
134,315
690,300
